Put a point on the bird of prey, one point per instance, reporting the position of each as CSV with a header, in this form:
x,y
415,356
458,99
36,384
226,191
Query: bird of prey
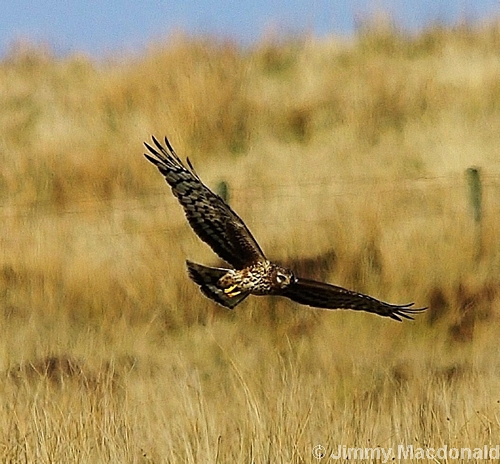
x,y
251,273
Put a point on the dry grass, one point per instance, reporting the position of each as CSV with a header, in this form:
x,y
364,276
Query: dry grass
x,y
346,160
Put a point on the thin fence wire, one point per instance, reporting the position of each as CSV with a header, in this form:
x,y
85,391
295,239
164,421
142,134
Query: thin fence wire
x,y
381,185
350,186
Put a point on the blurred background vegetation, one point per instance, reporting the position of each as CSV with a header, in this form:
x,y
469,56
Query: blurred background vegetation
x,y
348,161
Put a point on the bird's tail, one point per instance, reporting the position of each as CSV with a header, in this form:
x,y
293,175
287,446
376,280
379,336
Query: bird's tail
x,y
207,278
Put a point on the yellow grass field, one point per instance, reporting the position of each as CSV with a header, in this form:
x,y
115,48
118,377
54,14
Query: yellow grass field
x,y
346,158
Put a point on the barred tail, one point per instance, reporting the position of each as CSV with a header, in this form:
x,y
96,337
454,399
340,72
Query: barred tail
x,y
207,278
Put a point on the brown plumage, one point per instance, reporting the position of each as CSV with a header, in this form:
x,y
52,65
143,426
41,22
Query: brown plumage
x,y
252,273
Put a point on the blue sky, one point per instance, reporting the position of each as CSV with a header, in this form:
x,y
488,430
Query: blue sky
x,y
100,28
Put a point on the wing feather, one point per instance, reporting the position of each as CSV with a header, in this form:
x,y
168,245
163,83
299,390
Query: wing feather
x,y
327,296
207,213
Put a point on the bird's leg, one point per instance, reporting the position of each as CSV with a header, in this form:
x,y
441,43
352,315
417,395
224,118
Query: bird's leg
x,y
230,291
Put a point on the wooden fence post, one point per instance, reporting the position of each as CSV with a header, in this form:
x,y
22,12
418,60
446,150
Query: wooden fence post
x,y
222,190
473,175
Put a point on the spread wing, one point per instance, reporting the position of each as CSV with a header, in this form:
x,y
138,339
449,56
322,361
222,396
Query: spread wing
x,y
209,216
327,296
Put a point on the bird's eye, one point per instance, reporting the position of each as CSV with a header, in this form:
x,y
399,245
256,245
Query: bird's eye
x,y
280,278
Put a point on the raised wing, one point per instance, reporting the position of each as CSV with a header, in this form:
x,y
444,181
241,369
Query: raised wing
x,y
209,216
327,296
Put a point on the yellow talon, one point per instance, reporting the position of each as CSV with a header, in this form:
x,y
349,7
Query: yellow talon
x,y
229,291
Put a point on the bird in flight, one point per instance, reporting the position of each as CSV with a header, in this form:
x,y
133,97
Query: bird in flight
x,y
251,273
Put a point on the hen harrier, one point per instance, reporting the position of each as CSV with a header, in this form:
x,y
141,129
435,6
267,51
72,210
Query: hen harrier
x,y
251,273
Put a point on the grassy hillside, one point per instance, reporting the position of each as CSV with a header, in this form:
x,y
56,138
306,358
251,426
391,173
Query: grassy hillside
x,y
347,160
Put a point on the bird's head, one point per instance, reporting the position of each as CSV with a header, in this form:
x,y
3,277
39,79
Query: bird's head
x,y
281,277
